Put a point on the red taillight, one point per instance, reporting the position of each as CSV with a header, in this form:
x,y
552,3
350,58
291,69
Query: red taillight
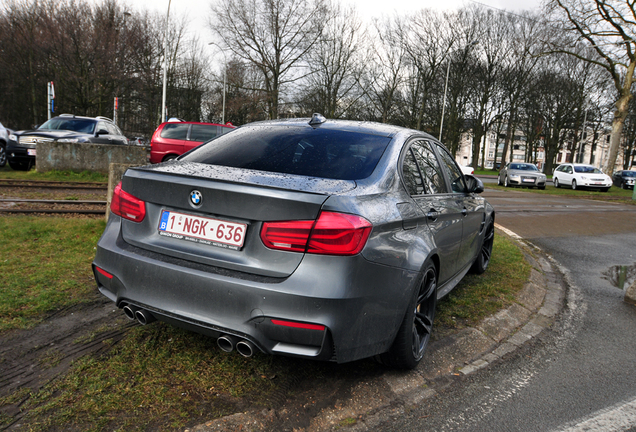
x,y
332,234
300,325
104,272
127,206
289,236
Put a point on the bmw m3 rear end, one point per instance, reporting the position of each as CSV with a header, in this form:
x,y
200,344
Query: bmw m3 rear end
x,y
285,237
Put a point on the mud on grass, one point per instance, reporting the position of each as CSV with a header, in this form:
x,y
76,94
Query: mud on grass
x,y
86,367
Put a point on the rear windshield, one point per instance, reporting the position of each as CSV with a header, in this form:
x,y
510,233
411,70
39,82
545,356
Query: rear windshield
x,y
319,152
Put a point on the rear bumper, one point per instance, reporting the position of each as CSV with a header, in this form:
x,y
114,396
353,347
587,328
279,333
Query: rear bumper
x,y
359,303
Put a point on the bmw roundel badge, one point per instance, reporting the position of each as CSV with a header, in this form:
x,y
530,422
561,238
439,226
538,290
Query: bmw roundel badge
x,y
196,198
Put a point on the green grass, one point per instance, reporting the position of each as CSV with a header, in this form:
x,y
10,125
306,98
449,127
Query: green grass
x,y
85,176
615,194
476,297
44,266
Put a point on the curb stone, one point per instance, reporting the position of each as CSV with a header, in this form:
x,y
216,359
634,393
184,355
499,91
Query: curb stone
x,y
460,354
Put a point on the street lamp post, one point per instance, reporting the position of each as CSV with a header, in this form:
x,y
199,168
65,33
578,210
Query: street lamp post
x,y
441,123
165,65
224,78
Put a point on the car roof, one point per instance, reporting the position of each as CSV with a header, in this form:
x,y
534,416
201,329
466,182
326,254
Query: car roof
x,y
372,128
195,122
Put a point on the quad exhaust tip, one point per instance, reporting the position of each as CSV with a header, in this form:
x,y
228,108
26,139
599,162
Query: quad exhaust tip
x,y
226,343
244,347
144,317
130,310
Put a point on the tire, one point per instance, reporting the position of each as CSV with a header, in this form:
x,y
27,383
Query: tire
x,y
3,155
556,182
415,331
498,180
169,158
623,185
573,184
506,184
604,189
483,259
20,166
541,187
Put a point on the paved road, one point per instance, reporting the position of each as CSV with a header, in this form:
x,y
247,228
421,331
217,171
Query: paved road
x,y
580,375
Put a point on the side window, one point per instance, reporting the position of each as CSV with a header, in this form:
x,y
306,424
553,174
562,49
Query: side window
x,y
569,170
454,173
411,175
203,132
101,128
175,131
112,129
429,165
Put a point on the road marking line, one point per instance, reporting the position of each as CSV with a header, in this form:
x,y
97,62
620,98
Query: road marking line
x,y
613,419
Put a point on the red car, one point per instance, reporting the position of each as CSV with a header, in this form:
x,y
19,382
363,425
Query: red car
x,y
175,137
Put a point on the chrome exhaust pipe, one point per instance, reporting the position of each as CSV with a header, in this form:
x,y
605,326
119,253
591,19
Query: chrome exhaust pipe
x,y
144,317
130,310
245,348
226,343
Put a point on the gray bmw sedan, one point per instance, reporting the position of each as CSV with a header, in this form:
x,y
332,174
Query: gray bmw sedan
x,y
321,239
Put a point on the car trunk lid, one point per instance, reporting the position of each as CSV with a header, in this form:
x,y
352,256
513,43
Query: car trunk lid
x,y
228,196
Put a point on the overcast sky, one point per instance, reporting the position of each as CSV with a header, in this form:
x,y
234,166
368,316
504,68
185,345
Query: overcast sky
x,y
198,11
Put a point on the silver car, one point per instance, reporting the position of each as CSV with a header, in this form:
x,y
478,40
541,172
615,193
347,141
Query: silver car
x,y
521,174
320,239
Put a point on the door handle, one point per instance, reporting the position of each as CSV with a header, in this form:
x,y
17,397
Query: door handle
x,y
432,215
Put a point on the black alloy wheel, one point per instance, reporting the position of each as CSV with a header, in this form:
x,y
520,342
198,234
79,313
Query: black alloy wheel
x,y
415,332
483,259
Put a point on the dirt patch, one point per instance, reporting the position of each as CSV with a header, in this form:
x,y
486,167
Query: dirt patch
x,y
30,359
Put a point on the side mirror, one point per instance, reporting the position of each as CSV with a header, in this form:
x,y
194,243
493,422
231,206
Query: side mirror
x,y
101,132
474,184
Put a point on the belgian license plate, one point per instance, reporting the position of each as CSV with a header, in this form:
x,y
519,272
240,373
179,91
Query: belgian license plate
x,y
31,152
204,230
528,180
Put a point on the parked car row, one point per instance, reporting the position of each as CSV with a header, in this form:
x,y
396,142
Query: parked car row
x,y
22,145
170,140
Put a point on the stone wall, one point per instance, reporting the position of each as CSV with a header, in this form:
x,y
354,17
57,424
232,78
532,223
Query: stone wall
x,y
89,157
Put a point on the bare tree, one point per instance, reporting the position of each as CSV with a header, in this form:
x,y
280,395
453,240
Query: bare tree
x,y
336,64
385,69
608,26
273,35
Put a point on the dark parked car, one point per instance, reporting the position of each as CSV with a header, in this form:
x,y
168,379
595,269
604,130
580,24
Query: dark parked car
x,y
21,150
175,137
624,179
521,174
327,240
4,139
